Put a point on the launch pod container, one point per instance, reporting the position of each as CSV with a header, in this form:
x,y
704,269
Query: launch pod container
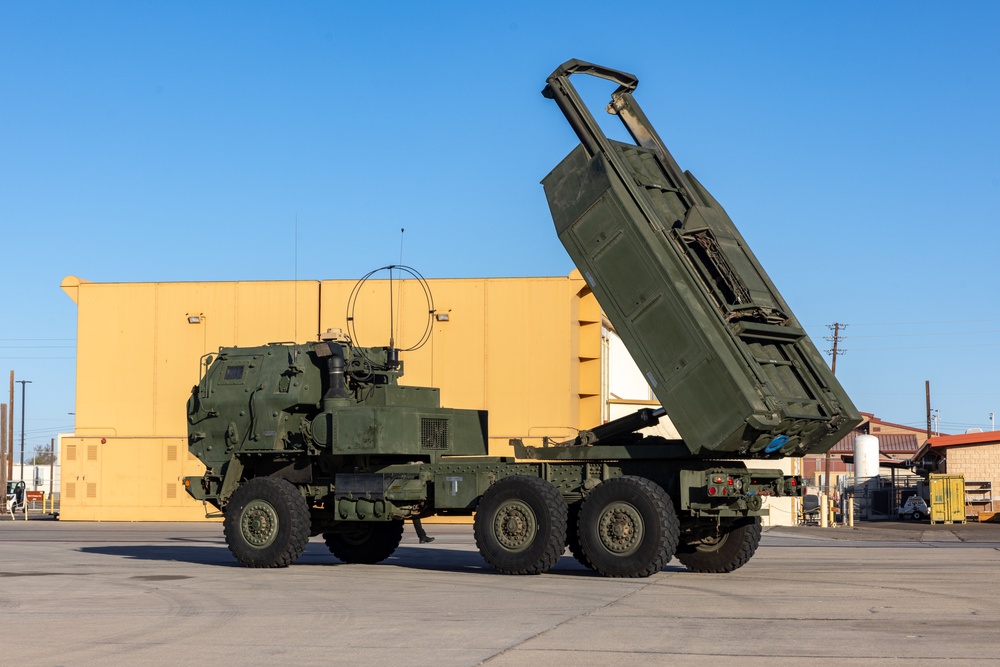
x,y
717,343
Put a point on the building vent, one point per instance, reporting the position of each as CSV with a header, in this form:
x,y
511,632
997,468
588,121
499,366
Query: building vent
x,y
71,489
171,452
171,491
91,452
433,433
91,490
71,452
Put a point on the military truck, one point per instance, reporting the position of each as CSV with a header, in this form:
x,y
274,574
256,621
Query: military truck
x,y
321,438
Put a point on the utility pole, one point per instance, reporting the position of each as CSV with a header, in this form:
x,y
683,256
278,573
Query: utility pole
x,y
23,383
927,393
835,351
52,464
10,430
3,447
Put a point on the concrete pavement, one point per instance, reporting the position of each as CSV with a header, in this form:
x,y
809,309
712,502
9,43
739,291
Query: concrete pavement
x,y
156,593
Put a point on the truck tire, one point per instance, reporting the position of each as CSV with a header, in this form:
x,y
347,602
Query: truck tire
x,y
365,541
266,523
573,535
725,553
520,525
917,515
628,527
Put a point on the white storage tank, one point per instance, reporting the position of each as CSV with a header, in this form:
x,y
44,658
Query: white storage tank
x,y
865,459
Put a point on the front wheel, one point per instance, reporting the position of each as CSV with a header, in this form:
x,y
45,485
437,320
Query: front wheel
x,y
917,515
520,525
266,523
628,527
726,551
365,542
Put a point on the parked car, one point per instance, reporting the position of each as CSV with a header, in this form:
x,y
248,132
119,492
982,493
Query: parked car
x,y
15,499
914,508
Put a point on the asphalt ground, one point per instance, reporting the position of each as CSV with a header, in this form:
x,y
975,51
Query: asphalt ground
x,y
170,593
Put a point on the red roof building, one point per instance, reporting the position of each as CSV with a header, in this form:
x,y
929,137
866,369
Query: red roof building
x,y
975,456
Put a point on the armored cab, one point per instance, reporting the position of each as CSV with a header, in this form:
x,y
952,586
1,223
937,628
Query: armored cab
x,y
717,343
307,413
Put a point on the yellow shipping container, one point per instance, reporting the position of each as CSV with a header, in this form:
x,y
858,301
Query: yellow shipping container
x,y
947,499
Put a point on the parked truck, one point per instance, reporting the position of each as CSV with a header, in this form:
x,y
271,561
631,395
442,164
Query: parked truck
x,y
15,499
322,438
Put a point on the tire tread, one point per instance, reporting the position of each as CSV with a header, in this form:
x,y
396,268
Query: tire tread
x,y
285,493
555,540
726,558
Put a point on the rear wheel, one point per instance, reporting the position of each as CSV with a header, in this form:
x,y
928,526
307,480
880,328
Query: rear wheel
x,y
520,525
573,536
365,542
724,552
917,515
628,528
266,523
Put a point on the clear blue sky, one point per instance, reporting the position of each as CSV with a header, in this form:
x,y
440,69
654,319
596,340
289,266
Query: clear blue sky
x,y
855,144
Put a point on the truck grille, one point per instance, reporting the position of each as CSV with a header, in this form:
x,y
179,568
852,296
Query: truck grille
x,y
433,433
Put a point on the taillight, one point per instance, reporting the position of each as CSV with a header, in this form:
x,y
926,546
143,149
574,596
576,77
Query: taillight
x,y
718,485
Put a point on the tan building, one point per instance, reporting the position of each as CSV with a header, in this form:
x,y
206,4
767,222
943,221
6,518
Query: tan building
x,y
975,456
534,352
526,349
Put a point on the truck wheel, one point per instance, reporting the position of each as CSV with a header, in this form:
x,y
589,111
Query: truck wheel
x,y
628,527
573,536
365,541
266,523
917,515
520,525
724,553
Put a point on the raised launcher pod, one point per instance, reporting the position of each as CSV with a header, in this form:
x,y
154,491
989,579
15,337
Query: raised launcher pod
x,y
716,341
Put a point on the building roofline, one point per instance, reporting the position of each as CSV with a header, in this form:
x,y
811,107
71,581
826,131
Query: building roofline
x,y
986,437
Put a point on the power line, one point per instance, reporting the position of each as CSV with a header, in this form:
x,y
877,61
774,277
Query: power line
x,y
45,340
929,333
925,347
886,324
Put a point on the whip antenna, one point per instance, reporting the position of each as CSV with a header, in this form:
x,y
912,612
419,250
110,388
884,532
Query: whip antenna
x,y
399,303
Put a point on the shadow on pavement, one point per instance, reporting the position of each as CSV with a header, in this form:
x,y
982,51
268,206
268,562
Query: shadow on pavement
x,y
423,557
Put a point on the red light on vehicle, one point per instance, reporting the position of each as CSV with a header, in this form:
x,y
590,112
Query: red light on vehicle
x,y
723,490
711,491
717,480
794,483
730,481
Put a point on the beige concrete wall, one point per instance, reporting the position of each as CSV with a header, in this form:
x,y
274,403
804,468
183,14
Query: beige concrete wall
x,y
526,349
977,463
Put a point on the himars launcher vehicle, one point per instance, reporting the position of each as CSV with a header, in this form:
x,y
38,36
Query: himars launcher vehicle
x,y
321,438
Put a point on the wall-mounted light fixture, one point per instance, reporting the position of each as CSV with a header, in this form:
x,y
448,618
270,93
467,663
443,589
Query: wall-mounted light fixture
x,y
195,319
441,317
